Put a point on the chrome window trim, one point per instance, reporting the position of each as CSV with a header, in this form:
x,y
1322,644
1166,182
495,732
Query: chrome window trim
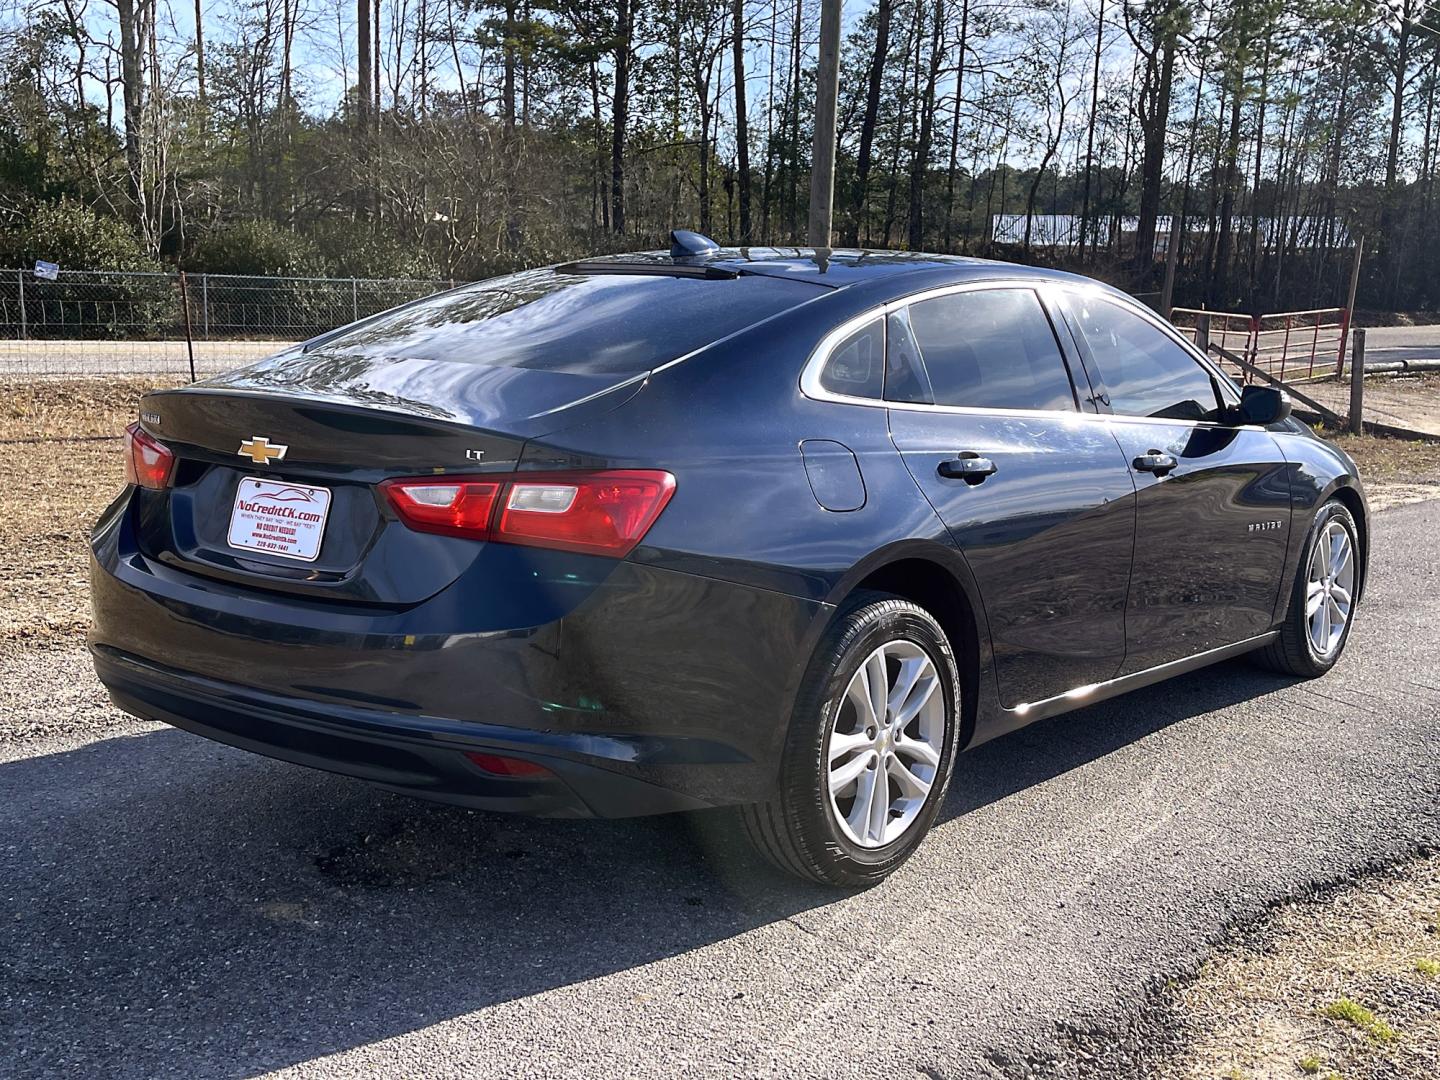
x,y
820,356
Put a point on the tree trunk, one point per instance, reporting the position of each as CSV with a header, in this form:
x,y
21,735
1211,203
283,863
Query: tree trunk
x,y
1220,291
955,123
624,30
507,85
200,53
1090,133
1397,106
867,124
742,121
134,97
363,78
600,193
1255,249
792,209
1154,120
920,162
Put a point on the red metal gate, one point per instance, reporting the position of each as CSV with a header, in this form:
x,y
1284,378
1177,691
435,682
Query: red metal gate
x,y
1292,346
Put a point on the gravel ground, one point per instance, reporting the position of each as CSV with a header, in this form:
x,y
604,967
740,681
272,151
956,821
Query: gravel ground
x,y
176,908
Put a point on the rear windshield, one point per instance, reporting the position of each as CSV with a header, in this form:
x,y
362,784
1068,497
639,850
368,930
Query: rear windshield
x,y
583,324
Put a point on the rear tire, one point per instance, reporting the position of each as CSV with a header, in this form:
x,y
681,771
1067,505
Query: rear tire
x,y
864,773
1322,598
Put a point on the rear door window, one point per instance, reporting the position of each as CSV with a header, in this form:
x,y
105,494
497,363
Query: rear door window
x,y
1145,371
991,349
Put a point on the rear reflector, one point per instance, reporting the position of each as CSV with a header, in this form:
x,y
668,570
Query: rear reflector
x,y
497,765
148,463
595,513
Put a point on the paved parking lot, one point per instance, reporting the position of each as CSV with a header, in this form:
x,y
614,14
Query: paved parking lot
x,y
177,908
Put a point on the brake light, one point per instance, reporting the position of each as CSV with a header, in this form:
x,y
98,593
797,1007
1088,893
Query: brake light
x,y
594,513
148,462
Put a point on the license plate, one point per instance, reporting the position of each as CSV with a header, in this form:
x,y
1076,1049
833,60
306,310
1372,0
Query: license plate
x,y
279,518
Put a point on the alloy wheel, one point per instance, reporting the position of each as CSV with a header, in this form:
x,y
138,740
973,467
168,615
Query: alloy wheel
x,y
885,744
1329,589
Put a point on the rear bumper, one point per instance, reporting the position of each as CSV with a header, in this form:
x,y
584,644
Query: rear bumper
x,y
420,756
652,690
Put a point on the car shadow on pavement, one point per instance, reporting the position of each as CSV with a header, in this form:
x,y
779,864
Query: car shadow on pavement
x,y
177,907
1049,748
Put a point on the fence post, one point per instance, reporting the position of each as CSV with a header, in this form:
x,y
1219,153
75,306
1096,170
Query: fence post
x,y
205,305
354,301
24,331
1202,333
189,338
1357,383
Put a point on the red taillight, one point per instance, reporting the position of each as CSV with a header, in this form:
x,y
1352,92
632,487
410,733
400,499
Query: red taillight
x,y
148,463
451,507
604,513
595,513
497,765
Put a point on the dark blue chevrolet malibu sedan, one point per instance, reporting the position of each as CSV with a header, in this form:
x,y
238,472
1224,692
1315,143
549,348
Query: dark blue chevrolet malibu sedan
x,y
780,531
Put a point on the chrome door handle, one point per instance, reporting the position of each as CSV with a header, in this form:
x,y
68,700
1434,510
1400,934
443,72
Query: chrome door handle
x,y
972,470
1153,461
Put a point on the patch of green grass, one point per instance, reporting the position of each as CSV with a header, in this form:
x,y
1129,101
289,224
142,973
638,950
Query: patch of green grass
x,y
1352,1012
1309,1064
1428,967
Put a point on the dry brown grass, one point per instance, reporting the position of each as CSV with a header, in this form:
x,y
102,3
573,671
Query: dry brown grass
x,y
1395,471
1344,986
61,467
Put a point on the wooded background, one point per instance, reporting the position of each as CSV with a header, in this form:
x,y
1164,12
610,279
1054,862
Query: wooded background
x,y
459,138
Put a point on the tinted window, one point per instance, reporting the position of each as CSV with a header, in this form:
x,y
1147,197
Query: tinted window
x,y
1144,371
856,366
905,377
991,349
585,324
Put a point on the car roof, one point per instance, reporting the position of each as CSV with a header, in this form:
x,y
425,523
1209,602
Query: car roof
x,y
836,268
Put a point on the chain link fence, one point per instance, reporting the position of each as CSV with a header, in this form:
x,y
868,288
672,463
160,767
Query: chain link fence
x,y
88,322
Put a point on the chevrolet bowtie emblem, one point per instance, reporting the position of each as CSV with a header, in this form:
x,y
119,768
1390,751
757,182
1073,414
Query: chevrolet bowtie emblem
x,y
260,450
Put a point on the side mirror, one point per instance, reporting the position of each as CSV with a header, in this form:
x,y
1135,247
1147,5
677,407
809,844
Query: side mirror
x,y
1260,405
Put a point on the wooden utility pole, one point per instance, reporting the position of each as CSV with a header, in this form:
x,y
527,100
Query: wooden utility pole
x,y
822,158
1357,384
1349,316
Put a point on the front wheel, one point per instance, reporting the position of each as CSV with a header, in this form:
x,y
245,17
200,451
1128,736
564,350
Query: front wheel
x,y
870,749
1322,599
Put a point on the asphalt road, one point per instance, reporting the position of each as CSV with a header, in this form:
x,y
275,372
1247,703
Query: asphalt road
x,y
1390,343
175,908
